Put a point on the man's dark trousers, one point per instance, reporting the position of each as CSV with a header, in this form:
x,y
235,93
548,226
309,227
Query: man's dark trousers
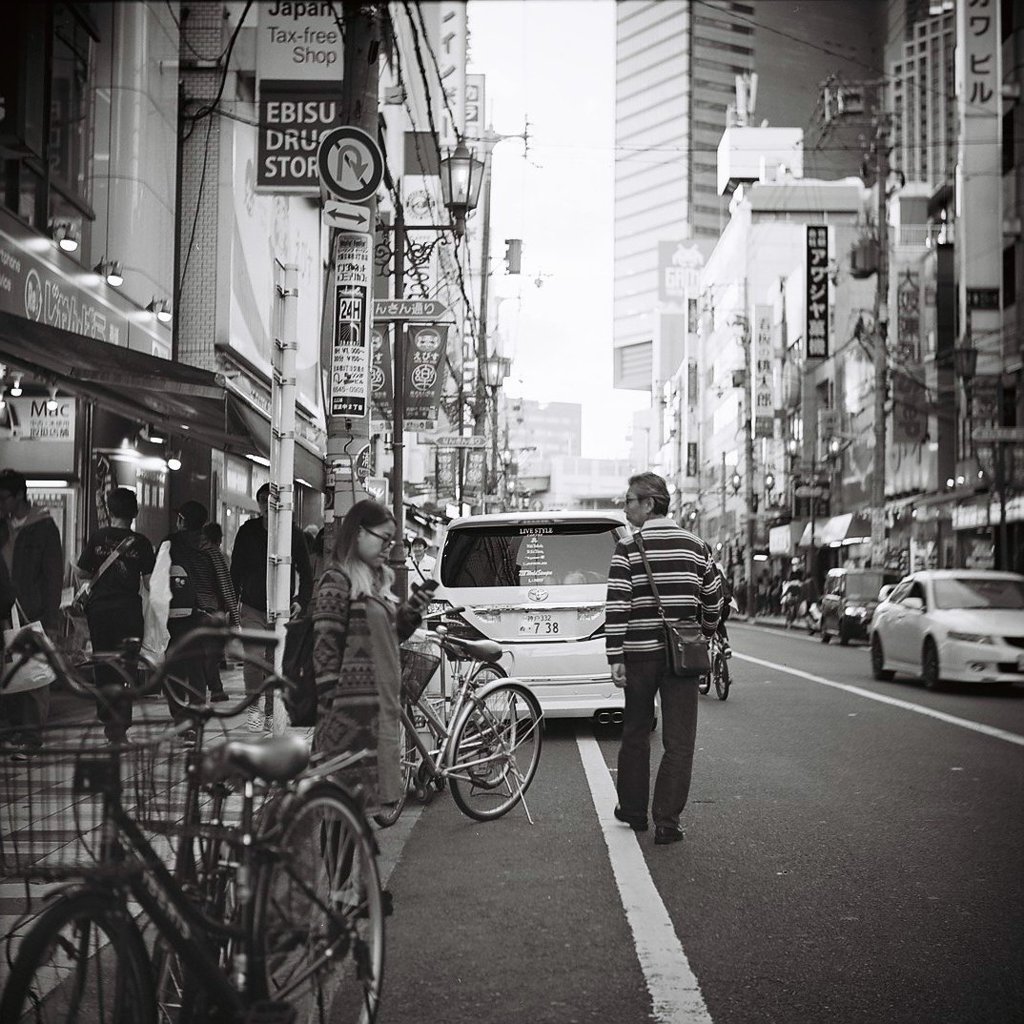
x,y
644,678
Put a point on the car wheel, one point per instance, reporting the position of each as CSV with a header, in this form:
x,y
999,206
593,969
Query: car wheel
x,y
878,669
930,665
844,634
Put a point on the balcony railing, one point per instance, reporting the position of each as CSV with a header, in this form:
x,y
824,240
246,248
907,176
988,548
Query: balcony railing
x,y
923,235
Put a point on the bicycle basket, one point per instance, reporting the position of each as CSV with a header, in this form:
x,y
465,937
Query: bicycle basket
x,y
51,798
420,659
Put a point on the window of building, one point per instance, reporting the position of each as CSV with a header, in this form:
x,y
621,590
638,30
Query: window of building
x,y
45,66
1009,276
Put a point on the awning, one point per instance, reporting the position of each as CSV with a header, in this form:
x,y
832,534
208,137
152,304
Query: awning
x,y
781,539
805,537
181,399
848,528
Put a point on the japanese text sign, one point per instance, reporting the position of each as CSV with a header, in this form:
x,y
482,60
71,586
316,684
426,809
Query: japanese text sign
x,y
424,374
350,352
763,370
817,292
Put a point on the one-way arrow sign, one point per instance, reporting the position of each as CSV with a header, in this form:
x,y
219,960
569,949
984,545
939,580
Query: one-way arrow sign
x,y
346,216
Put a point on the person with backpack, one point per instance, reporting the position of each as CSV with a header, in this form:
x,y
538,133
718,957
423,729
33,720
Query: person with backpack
x,y
115,562
357,626
192,578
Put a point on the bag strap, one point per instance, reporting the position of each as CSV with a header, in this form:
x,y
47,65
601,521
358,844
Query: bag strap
x,y
110,560
650,575
17,613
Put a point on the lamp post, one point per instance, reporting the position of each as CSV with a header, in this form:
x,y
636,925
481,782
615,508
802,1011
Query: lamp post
x,y
495,369
461,176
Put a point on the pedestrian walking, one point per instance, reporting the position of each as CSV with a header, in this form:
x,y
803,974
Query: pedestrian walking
x,y
31,548
358,624
418,562
192,581
249,575
689,587
116,562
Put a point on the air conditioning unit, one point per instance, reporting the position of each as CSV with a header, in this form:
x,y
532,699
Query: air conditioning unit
x,y
394,95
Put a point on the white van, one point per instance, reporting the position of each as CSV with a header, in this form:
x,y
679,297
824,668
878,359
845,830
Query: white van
x,y
536,583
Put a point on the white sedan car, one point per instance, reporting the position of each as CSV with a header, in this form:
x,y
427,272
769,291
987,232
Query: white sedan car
x,y
957,625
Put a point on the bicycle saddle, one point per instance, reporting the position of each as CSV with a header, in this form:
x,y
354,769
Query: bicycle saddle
x,y
479,650
272,759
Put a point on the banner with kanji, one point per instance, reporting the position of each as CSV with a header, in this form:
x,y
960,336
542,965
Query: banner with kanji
x,y
382,387
424,374
817,292
473,479
446,474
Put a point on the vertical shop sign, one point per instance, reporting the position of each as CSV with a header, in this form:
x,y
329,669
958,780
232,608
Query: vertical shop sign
x,y
446,470
908,374
691,458
382,387
761,356
475,93
424,374
817,292
473,478
350,352
979,81
299,51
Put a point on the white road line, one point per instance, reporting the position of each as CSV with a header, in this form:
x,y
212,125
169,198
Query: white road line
x,y
987,730
675,993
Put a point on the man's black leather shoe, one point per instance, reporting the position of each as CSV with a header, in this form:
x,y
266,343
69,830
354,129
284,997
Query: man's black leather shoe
x,y
665,834
636,824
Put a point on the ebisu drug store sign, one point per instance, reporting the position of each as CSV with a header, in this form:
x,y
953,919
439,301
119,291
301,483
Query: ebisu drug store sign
x,y
298,64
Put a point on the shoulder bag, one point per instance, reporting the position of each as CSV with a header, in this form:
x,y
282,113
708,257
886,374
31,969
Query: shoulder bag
x,y
81,599
686,650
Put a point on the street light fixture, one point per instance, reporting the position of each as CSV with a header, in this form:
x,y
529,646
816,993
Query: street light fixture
x,y
461,174
495,370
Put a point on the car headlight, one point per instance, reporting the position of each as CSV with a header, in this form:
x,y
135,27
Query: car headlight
x,y
857,610
969,638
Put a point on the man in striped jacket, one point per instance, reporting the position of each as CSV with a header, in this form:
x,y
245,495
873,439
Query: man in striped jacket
x,y
690,588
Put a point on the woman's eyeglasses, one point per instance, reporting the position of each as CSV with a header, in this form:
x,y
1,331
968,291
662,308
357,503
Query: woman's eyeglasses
x,y
382,537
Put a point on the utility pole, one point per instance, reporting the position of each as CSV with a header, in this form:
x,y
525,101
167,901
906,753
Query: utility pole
x,y
748,457
880,346
359,93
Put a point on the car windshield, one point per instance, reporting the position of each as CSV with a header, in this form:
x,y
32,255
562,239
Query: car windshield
x,y
528,555
864,586
979,593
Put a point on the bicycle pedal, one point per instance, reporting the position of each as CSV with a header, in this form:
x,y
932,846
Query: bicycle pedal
x,y
269,1012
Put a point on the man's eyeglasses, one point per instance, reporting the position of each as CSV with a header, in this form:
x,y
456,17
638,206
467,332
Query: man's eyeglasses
x,y
382,537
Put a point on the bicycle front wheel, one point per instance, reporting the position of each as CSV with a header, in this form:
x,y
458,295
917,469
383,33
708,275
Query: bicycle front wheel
x,y
495,749
83,960
318,923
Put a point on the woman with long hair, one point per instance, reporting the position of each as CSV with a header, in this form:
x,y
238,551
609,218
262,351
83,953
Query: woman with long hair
x,y
358,623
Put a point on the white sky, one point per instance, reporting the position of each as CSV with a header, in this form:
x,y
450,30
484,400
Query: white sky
x,y
551,62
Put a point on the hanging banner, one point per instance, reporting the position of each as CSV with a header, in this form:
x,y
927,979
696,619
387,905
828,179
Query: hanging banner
x,y
909,419
446,473
762,369
424,375
817,292
382,387
350,353
473,478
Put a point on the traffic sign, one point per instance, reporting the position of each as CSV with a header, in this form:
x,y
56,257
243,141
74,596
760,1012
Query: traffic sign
x,y
346,216
999,433
454,440
350,164
428,310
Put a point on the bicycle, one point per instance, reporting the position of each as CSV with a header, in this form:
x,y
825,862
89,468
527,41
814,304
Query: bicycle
x,y
485,738
719,674
230,946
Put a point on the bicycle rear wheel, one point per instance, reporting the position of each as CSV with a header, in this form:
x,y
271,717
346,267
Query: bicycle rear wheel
x,y
495,750
720,670
83,960
318,922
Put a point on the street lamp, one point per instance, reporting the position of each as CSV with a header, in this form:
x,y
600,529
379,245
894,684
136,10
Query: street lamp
x,y
495,370
461,174
736,482
965,365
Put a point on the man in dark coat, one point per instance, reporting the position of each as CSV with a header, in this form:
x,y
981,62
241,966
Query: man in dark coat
x,y
34,558
249,574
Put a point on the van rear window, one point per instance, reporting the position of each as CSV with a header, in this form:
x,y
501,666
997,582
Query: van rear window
x,y
528,555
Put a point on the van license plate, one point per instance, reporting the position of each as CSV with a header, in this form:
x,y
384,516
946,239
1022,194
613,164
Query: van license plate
x,y
538,624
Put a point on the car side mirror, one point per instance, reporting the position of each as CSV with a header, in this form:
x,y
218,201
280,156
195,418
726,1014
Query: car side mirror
x,y
914,603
